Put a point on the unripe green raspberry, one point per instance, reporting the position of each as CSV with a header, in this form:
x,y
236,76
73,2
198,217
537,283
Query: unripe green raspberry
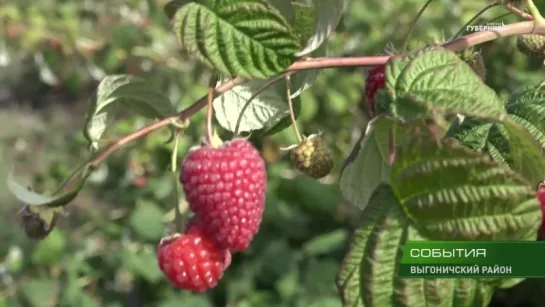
x,y
312,157
532,45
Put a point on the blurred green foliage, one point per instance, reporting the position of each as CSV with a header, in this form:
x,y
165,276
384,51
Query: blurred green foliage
x,y
52,55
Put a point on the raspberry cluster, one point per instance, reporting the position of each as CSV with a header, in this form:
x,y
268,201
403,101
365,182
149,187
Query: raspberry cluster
x,y
225,187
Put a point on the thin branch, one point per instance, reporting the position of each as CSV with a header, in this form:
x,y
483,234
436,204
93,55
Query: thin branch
x,y
518,12
413,25
525,27
185,114
464,27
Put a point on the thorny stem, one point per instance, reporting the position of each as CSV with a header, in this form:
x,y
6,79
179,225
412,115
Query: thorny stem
x,y
292,113
459,44
413,25
210,108
464,27
263,88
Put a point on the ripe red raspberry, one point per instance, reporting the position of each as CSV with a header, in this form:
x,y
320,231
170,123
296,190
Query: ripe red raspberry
x,y
192,261
541,196
225,188
196,226
375,81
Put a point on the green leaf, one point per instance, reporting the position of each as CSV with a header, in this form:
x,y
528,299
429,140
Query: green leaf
x,y
24,194
527,107
368,272
264,111
481,136
304,20
132,92
277,260
319,276
31,198
437,80
40,292
245,38
525,153
325,243
368,166
454,193
285,7
147,221
506,141
286,121
142,264
327,17
51,249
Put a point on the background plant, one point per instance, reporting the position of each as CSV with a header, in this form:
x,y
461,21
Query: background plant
x,y
102,251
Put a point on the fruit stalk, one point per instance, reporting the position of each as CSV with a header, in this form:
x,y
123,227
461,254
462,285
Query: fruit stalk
x,y
292,113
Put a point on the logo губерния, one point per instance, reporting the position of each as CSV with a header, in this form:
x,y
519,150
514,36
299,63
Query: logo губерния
x,y
488,27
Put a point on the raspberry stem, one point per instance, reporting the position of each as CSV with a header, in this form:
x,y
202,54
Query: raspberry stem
x,y
413,24
210,109
292,113
314,63
464,27
518,12
179,220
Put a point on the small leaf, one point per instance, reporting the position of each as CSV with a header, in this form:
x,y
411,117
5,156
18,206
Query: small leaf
x,y
436,79
525,153
245,38
142,264
478,199
31,198
147,221
132,92
265,111
25,195
325,243
527,107
51,249
368,273
40,292
327,17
